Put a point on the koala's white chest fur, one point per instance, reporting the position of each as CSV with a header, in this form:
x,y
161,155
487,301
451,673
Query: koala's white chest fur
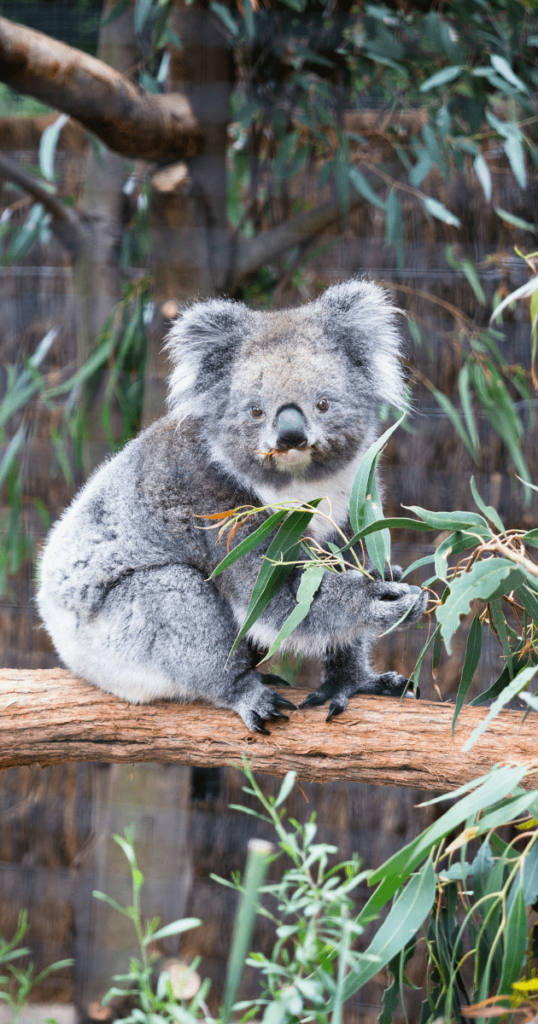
x,y
334,489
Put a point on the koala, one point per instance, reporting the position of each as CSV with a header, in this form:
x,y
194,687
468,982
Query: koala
x,y
263,407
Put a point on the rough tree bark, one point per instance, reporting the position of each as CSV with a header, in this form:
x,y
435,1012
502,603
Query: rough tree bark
x,y
128,119
49,717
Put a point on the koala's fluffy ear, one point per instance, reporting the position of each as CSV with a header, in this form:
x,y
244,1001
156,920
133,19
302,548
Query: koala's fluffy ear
x,y
201,343
361,318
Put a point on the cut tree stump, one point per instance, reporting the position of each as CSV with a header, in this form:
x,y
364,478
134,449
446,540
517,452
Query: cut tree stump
x,y
50,717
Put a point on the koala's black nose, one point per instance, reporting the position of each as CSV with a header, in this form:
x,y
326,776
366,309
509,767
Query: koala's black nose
x,y
290,428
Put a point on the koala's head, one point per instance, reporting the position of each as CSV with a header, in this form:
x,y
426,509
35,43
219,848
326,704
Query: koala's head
x,y
291,393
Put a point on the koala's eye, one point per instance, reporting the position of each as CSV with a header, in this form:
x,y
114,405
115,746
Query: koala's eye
x,y
322,405
256,411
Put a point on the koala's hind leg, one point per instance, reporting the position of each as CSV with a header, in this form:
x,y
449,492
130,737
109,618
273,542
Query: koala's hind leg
x,y
165,633
347,671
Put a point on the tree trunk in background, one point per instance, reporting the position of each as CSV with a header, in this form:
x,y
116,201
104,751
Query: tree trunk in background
x,y
97,283
188,204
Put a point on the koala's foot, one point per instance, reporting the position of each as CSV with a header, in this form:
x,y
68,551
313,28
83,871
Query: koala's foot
x,y
389,684
256,704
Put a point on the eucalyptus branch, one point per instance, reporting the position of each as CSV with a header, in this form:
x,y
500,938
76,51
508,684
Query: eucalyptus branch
x,y
67,226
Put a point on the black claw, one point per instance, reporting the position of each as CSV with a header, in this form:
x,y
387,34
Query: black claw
x,y
334,710
259,724
271,680
309,702
277,714
283,702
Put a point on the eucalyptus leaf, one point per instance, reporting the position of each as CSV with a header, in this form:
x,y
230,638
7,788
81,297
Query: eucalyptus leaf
x,y
486,580
470,665
521,680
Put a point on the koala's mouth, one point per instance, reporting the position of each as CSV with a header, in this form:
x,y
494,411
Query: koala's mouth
x,y
288,460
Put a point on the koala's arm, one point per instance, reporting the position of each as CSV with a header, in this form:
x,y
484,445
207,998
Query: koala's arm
x,y
346,604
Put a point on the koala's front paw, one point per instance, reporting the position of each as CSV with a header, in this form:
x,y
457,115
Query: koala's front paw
x,y
393,602
258,705
389,684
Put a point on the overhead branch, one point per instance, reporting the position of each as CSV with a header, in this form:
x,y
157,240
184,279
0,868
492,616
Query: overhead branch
x,y
255,252
67,227
50,717
121,113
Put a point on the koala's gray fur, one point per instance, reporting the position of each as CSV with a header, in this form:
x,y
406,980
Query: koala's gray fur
x,y
124,590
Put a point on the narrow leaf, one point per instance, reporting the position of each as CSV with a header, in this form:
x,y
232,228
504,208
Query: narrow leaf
x,y
470,665
403,921
357,498
439,211
441,77
483,174
308,586
259,852
522,680
250,542
363,186
515,943
47,146
487,510
175,928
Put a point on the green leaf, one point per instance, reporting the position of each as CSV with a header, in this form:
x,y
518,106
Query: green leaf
x,y
401,522
286,788
496,688
439,211
259,853
515,943
250,542
530,876
529,602
452,413
225,16
394,230
522,680
452,545
502,66
517,222
483,174
467,407
359,487
310,582
530,538
524,292
111,903
441,77
403,921
516,158
363,186
284,546
487,510
470,665
452,520
142,13
486,580
47,146
175,928
490,789
426,560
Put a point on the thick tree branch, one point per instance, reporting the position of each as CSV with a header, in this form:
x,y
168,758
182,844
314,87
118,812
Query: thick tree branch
x,y
67,227
128,119
50,717
256,252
